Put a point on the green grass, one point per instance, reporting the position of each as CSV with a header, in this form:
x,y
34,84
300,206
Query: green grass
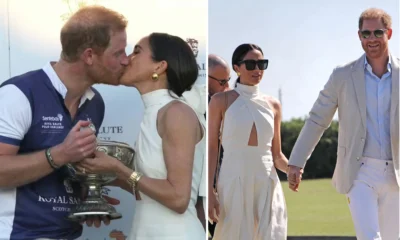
x,y
317,209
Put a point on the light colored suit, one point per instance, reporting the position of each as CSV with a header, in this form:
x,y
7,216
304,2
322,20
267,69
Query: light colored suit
x,y
345,91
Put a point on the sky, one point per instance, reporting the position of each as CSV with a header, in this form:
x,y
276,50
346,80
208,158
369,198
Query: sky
x,y
303,40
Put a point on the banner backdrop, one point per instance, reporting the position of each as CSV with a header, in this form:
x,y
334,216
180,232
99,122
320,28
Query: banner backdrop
x,y
4,50
34,28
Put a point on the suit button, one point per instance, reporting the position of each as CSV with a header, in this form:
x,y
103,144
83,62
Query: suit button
x,y
362,139
358,158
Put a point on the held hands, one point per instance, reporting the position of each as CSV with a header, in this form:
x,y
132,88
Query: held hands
x,y
213,206
294,177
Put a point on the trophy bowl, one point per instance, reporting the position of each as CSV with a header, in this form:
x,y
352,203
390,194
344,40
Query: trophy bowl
x,y
94,204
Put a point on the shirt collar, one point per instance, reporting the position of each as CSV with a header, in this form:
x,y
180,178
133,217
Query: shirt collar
x,y
369,68
61,88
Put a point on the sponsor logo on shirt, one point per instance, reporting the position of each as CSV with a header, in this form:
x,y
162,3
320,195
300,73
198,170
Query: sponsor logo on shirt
x,y
63,200
57,202
58,118
52,124
68,186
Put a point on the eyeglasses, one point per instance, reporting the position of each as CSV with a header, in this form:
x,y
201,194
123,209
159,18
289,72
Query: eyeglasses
x,y
221,82
378,33
251,64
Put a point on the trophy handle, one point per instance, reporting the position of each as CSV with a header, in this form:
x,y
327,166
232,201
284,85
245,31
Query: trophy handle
x,y
102,149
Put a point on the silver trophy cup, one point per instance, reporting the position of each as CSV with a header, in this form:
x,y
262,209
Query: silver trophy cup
x,y
94,204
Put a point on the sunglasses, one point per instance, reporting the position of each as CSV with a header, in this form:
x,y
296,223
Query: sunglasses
x,y
378,33
221,82
251,64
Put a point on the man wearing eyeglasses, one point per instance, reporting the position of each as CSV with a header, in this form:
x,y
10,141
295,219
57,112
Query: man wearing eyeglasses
x,y
218,81
366,94
218,75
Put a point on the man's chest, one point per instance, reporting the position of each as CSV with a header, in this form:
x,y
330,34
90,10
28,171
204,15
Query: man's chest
x,y
51,123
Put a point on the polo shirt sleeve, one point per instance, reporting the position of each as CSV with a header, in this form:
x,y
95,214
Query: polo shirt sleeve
x,y
15,115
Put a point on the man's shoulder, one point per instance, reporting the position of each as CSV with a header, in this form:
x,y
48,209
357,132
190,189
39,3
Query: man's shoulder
x,y
344,67
97,96
26,80
98,106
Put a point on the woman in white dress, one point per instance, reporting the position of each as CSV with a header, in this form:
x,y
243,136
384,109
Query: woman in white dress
x,y
249,203
171,145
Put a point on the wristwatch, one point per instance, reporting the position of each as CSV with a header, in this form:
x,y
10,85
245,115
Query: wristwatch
x,y
134,179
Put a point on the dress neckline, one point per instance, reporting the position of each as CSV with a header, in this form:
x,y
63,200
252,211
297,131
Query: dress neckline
x,y
248,91
156,97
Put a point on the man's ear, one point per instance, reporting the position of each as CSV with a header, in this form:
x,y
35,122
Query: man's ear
x,y
87,56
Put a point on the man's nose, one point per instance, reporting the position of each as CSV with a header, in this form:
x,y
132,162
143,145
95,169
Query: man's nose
x,y
125,61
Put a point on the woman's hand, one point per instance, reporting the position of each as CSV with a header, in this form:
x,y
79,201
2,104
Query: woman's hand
x,y
213,207
101,163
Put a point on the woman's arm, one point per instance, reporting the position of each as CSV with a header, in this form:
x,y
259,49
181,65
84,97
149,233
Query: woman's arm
x,y
215,111
180,131
280,160
179,128
214,124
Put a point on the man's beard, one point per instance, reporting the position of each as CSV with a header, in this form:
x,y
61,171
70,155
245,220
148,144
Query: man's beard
x,y
104,76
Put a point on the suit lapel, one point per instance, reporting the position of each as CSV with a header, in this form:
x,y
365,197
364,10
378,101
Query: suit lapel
x,y
358,77
395,94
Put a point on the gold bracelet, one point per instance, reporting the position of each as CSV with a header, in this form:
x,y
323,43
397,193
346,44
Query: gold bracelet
x,y
134,179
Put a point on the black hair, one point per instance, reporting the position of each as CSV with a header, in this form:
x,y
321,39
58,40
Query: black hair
x,y
240,52
182,70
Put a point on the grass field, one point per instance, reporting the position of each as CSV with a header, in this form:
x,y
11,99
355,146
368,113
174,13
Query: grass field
x,y
317,209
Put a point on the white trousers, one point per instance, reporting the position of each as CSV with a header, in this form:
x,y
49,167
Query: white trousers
x,y
374,201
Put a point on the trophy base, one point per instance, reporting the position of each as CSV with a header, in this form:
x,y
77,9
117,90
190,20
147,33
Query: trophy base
x,y
92,208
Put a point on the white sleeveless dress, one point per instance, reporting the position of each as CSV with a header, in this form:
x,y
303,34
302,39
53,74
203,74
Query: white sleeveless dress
x,y
252,204
152,220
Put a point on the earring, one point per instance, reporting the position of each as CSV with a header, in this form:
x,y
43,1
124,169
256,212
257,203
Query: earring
x,y
154,77
238,73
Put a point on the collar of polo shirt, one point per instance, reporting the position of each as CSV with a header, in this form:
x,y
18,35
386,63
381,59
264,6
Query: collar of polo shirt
x,y
61,88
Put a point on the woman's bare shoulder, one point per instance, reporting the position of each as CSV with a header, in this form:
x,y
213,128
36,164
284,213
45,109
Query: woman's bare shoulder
x,y
272,102
174,117
177,110
220,98
221,95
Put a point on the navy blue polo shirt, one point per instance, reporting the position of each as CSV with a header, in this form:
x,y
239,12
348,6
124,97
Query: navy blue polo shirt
x,y
33,116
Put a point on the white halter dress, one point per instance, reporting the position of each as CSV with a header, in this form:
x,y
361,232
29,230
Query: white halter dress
x,y
152,220
252,204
